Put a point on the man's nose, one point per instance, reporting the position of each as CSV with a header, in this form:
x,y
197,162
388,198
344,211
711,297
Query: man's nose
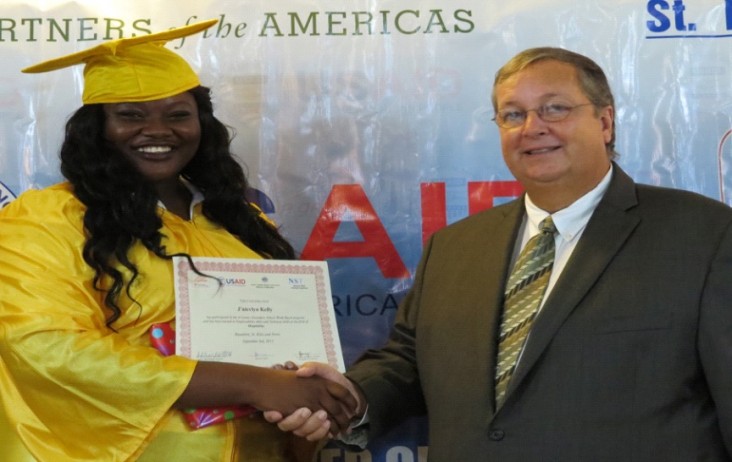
x,y
534,123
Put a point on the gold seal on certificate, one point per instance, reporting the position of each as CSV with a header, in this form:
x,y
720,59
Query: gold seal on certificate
x,y
258,312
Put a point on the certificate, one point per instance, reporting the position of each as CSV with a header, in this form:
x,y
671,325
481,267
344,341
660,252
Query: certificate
x,y
258,312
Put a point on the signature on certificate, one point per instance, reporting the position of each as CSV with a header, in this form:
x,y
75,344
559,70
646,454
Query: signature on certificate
x,y
213,355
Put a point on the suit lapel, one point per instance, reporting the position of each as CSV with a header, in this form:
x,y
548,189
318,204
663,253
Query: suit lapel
x,y
606,232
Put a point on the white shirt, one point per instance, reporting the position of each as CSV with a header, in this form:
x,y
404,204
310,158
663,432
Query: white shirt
x,y
197,196
570,223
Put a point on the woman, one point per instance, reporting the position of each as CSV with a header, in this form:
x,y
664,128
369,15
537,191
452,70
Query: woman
x,y
85,271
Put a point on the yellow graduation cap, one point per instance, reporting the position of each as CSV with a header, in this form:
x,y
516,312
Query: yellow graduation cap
x,y
132,69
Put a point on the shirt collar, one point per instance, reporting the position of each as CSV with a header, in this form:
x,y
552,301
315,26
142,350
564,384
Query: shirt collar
x,y
195,192
569,221
197,195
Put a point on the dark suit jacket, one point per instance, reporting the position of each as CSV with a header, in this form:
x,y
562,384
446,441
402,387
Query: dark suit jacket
x,y
629,360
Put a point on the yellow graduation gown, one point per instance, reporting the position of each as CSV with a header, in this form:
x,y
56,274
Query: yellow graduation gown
x,y
73,389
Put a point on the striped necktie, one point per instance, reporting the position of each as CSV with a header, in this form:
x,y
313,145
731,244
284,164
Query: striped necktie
x,y
524,292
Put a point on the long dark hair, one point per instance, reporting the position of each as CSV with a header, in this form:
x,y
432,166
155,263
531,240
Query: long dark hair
x,y
121,206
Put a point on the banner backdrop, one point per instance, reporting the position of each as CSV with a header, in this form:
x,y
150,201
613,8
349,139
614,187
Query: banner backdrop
x,y
366,125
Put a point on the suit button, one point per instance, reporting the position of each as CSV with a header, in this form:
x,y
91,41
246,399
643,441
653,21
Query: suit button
x,y
497,435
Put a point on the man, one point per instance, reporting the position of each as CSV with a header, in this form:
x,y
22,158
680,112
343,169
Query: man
x,y
627,355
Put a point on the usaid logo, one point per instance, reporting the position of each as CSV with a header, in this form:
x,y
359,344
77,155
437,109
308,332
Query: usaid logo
x,y
6,195
233,281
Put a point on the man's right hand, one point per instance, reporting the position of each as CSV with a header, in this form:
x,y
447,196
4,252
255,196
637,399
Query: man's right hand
x,y
315,424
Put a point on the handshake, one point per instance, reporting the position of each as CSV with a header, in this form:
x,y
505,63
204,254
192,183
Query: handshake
x,y
320,402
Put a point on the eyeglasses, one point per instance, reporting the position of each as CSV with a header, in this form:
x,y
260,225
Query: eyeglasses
x,y
553,112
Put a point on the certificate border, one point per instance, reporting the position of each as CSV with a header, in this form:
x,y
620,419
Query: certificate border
x,y
183,269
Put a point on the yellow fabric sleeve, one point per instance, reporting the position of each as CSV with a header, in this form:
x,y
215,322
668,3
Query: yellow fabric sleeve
x,y
72,388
